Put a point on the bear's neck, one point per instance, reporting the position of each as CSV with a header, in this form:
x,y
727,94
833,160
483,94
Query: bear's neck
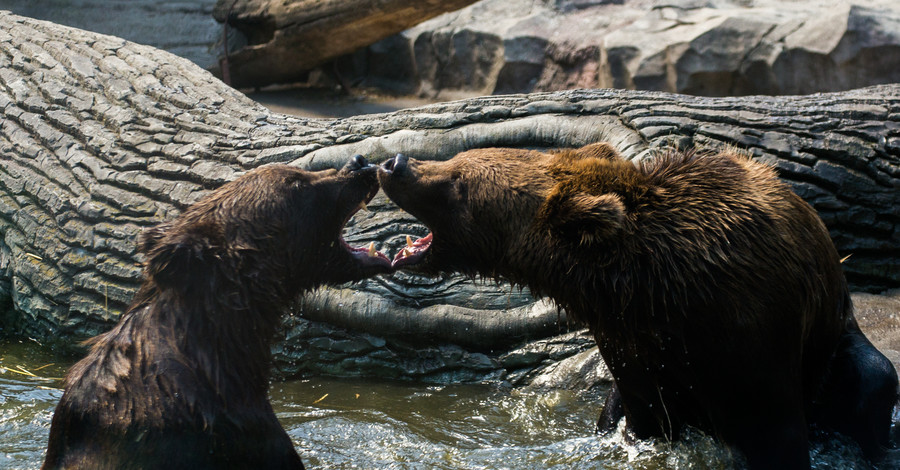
x,y
224,337
583,282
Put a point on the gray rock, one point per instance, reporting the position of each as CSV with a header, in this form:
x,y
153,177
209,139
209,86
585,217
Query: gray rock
x,y
711,48
183,27
584,371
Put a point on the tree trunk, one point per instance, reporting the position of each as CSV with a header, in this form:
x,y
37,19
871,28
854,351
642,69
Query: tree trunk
x,y
101,138
287,38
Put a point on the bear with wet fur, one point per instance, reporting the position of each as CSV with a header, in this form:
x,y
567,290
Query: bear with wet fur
x,y
715,294
181,381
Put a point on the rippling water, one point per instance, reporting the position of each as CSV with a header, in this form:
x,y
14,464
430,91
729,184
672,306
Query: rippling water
x,y
398,425
27,402
369,424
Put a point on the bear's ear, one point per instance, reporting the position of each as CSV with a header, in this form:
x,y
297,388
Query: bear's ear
x,y
582,218
177,260
151,236
595,151
599,150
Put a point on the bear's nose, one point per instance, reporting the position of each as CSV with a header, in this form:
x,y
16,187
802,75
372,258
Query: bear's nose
x,y
358,162
396,165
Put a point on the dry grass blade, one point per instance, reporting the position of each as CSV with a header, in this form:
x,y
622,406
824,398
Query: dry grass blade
x,y
320,399
23,371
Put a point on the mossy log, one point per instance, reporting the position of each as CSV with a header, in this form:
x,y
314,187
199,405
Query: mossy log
x,y
101,138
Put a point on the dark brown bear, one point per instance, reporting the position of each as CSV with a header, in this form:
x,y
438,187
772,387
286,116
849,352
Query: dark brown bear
x,y
714,293
181,381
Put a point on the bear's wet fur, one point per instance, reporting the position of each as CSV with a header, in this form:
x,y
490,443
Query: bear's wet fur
x,y
715,293
181,381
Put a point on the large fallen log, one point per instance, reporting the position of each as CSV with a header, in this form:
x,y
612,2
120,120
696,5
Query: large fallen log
x,y
284,39
101,138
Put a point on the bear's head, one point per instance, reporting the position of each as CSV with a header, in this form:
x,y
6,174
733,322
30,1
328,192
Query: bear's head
x,y
274,231
501,211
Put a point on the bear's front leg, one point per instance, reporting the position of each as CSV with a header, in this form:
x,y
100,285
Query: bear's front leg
x,y
613,411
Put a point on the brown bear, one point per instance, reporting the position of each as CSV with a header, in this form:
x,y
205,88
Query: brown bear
x,y
714,293
181,381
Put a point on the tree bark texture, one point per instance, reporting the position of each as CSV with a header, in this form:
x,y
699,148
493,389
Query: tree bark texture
x,y
101,138
287,38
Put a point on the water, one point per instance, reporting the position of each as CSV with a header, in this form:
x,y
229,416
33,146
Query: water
x,y
26,402
371,424
409,426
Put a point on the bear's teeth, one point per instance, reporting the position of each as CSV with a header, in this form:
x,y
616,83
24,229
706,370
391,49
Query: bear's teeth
x,y
372,252
363,207
405,252
409,241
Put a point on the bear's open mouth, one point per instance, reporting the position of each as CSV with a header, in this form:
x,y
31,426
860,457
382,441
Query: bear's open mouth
x,y
368,255
413,252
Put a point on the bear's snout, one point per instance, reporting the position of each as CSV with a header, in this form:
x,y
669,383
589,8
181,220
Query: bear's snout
x,y
397,165
357,162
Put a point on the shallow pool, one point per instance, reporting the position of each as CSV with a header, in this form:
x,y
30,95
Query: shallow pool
x,y
371,424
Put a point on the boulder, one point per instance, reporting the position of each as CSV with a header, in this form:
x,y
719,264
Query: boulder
x,y
698,47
